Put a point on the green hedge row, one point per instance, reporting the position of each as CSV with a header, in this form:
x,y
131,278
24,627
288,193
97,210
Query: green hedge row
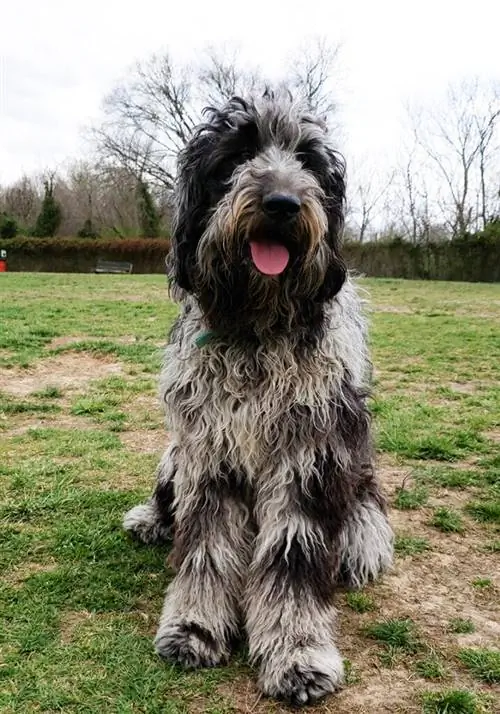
x,y
80,255
472,259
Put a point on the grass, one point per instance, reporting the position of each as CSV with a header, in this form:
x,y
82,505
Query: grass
x,y
484,511
460,626
351,677
397,634
10,406
454,701
360,602
450,477
447,520
409,499
493,547
482,583
430,667
483,664
411,545
80,602
49,393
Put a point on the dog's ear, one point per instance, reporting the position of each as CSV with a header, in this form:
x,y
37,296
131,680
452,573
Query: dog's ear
x,y
190,211
333,184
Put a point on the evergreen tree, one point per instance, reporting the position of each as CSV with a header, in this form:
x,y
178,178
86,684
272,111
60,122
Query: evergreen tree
x,y
8,227
50,216
149,218
87,230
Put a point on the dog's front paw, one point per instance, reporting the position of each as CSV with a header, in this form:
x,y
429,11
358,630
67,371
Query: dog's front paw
x,y
190,645
144,523
304,676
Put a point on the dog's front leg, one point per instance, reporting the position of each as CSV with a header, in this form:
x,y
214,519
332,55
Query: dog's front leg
x,y
152,522
289,611
211,552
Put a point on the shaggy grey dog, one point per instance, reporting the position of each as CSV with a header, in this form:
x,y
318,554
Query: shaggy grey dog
x,y
268,483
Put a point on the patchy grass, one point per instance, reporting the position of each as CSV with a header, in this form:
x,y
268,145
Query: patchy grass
x,y
447,520
460,626
482,583
11,406
493,547
351,677
455,701
410,545
484,511
80,602
49,392
360,602
410,498
484,664
397,634
430,667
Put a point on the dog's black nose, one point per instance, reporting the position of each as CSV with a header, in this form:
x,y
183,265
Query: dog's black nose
x,y
281,205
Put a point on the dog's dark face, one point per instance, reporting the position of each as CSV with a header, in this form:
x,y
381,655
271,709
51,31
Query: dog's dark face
x,y
259,210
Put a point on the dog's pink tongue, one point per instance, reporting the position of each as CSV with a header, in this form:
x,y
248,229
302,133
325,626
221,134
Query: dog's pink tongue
x,y
269,258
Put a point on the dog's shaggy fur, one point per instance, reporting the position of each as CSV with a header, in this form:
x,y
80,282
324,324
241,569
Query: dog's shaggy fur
x,y
268,484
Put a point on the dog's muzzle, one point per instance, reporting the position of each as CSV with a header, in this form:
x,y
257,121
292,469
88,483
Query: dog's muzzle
x,y
271,255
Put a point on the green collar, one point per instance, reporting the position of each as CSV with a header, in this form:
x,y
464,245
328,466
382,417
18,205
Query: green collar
x,y
204,338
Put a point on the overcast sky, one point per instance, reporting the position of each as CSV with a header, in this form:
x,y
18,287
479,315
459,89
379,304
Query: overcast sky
x,y
58,59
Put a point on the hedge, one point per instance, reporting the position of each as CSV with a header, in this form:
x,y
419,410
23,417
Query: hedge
x,y
472,259
80,255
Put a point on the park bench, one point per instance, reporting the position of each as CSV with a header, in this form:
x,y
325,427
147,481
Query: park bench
x,y
113,266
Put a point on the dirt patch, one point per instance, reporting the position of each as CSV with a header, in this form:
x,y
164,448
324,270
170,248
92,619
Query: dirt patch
x,y
392,475
493,435
380,692
143,403
425,587
138,298
66,371
486,314
398,309
70,621
463,387
51,421
23,571
145,441
66,340
431,588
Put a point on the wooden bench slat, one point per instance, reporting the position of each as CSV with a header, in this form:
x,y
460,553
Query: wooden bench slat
x,y
113,266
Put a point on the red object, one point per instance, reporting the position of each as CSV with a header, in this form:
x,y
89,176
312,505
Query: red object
x,y
3,266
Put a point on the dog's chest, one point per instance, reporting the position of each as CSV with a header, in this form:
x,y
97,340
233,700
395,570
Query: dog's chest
x,y
244,410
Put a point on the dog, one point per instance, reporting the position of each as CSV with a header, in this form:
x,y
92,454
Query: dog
x,y
268,484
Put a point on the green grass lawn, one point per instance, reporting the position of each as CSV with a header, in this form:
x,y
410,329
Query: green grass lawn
x,y
80,436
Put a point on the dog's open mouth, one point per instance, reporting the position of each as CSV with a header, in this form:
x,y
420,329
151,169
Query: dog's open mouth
x,y
269,258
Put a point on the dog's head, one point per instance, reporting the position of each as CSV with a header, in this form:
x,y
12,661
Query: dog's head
x,y
259,212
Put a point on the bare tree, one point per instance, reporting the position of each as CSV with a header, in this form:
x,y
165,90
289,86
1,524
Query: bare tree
x,y
409,197
366,193
486,126
116,203
221,77
22,200
310,75
457,137
149,117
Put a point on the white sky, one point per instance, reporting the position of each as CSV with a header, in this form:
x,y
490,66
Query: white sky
x,y
59,58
